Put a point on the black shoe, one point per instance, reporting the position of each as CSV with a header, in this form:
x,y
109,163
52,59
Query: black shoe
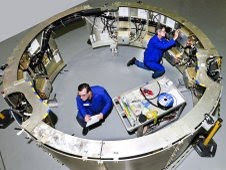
x,y
157,74
131,62
85,131
154,76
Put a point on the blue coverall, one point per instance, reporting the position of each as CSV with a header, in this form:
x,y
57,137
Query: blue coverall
x,y
153,55
100,102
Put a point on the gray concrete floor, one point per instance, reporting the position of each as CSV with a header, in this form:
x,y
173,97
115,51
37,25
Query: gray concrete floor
x,y
100,66
208,15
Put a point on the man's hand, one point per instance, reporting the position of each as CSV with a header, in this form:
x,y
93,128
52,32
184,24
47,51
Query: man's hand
x,y
176,34
100,116
87,118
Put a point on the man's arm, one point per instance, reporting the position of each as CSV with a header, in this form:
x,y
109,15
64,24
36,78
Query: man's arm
x,y
81,109
168,44
108,103
164,46
176,34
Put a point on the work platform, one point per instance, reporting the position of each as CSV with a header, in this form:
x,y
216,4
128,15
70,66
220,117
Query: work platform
x,y
141,106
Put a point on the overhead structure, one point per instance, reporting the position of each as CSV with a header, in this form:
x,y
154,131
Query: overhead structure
x,y
36,61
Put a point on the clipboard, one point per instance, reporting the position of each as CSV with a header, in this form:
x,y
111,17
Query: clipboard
x,y
94,119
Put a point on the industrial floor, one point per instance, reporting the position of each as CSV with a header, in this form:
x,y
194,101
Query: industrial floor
x,y
17,154
100,67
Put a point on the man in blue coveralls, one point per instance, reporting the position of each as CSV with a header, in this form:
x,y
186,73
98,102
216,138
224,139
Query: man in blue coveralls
x,y
92,101
157,45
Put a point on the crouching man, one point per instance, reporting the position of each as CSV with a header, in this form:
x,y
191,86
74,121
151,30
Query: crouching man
x,y
91,101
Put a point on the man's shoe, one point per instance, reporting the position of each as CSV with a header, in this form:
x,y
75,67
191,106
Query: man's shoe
x,y
154,76
85,131
131,62
157,74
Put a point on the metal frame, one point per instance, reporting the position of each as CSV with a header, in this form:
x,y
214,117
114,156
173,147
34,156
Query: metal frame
x,y
155,151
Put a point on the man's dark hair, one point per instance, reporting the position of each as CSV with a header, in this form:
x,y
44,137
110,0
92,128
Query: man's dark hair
x,y
84,86
159,27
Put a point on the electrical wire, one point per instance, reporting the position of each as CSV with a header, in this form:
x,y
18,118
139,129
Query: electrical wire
x,y
104,21
42,69
142,29
154,17
109,26
91,33
149,100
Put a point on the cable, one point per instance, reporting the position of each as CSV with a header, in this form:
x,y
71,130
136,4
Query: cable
x,y
110,29
155,17
42,69
142,28
105,20
105,24
158,92
91,33
149,100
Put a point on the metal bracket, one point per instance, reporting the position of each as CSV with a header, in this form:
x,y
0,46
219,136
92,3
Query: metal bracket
x,y
205,151
208,121
116,158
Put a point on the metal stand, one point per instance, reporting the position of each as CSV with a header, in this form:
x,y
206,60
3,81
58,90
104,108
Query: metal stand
x,y
208,150
206,147
53,103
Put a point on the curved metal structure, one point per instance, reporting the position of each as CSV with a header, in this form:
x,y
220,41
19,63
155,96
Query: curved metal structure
x,y
20,87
